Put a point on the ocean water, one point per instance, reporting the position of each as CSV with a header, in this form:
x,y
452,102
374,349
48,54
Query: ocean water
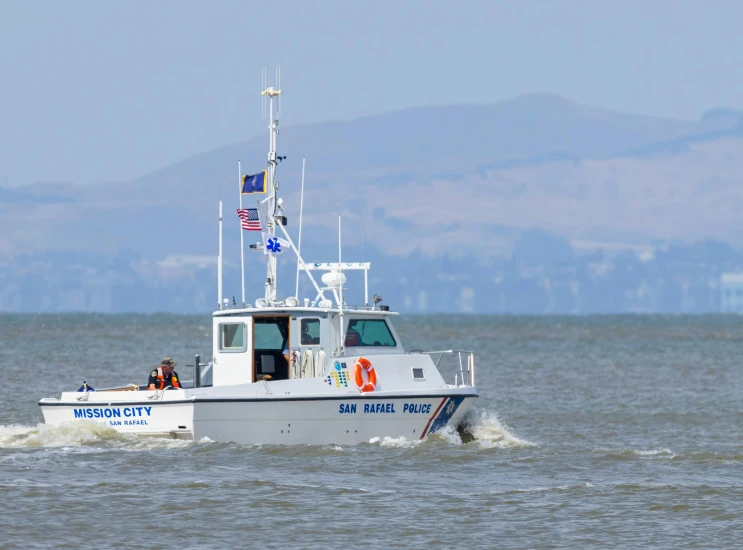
x,y
589,432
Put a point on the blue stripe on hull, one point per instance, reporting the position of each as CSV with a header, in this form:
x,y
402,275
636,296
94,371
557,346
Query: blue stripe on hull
x,y
447,411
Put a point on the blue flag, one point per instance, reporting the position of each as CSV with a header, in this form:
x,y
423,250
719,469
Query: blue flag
x,y
255,183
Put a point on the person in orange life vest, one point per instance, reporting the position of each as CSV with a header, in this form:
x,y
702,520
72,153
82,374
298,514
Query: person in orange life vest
x,y
164,376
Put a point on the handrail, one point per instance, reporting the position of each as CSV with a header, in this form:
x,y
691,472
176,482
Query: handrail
x,y
462,373
197,364
443,351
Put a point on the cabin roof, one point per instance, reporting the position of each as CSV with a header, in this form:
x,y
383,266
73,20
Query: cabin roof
x,y
349,310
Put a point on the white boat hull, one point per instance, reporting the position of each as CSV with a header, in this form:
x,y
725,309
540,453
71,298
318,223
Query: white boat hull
x,y
288,420
162,419
328,421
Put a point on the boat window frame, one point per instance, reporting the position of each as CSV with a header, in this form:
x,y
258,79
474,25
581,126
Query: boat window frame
x,y
307,320
223,349
367,319
285,339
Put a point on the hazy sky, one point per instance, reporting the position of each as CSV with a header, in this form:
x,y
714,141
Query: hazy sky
x,y
93,91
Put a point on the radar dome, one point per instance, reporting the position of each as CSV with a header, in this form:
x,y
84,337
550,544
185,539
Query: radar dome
x,y
333,279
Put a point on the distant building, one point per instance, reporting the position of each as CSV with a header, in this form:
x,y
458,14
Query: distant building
x,y
731,293
467,300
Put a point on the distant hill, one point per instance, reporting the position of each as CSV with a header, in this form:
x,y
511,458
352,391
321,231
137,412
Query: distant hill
x,y
533,205
465,178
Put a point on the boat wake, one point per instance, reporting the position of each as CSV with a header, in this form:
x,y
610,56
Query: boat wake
x,y
484,428
77,434
481,428
41,435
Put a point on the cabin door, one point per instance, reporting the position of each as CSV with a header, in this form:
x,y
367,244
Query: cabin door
x,y
232,345
271,347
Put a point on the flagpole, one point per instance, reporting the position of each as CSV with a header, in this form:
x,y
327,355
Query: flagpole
x,y
219,261
340,280
242,247
299,243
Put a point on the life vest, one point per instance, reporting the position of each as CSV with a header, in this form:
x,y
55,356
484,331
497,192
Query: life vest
x,y
173,379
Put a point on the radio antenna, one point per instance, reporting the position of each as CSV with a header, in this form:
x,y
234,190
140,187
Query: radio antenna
x,y
271,96
278,85
299,243
264,85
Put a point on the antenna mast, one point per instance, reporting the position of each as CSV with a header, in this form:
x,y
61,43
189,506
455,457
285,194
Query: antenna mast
x,y
219,260
299,242
242,246
273,96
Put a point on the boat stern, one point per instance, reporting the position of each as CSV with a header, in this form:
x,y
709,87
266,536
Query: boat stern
x,y
155,413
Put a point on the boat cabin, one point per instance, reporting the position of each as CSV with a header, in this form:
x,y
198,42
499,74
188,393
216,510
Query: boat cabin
x,y
254,344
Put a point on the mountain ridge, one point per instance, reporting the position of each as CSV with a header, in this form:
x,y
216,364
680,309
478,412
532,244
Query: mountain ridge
x,y
522,154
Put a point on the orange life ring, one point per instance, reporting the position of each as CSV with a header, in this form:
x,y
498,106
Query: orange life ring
x,y
363,364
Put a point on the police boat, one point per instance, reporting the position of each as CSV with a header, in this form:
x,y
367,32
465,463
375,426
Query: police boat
x,y
315,372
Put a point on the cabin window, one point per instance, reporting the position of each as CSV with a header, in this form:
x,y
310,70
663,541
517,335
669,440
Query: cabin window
x,y
268,334
418,373
369,332
310,332
232,337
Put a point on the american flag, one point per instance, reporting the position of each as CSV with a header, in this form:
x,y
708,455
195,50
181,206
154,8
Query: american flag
x,y
249,219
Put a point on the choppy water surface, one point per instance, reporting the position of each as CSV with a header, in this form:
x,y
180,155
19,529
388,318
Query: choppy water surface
x,y
591,432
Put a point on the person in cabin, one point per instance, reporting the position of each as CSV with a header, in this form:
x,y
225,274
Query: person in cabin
x,y
164,376
352,338
306,339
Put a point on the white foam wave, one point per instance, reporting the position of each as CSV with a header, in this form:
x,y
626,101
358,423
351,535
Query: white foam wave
x,y
448,435
630,453
42,435
489,432
80,434
483,427
394,442
655,452
541,489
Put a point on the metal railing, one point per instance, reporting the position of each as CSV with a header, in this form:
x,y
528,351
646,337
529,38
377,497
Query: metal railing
x,y
201,371
465,376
